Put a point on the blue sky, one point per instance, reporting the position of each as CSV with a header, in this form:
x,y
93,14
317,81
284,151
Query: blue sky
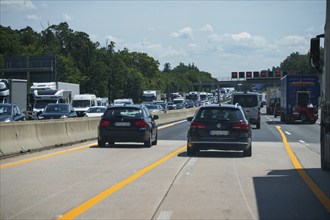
x,y
217,36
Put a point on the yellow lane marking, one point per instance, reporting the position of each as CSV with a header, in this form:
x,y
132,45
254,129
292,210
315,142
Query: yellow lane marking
x,y
101,196
45,156
62,152
307,179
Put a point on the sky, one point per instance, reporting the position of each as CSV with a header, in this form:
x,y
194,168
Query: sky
x,y
219,37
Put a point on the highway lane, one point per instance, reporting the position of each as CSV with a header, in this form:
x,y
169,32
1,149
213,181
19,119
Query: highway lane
x,y
213,185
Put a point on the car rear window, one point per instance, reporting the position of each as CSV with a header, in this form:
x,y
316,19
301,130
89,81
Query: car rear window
x,y
124,112
220,114
246,101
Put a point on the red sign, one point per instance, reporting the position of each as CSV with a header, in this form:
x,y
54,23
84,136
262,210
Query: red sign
x,y
234,75
277,73
263,73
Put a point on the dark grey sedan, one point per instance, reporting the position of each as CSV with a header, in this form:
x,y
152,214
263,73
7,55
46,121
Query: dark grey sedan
x,y
58,111
11,112
219,127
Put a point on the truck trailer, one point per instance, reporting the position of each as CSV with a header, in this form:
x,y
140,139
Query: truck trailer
x,y
149,96
299,98
52,92
14,91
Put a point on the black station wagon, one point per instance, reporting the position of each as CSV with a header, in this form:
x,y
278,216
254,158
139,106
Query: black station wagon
x,y
131,123
219,127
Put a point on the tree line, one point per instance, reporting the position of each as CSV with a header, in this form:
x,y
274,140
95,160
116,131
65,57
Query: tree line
x,y
107,72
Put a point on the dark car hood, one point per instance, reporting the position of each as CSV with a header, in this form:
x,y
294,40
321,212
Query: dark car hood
x,y
5,117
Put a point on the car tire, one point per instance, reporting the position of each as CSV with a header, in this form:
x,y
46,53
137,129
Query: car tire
x,y
191,151
148,142
248,152
155,141
258,125
101,142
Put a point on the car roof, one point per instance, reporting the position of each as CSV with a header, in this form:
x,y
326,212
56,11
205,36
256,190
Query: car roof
x,y
221,106
245,93
125,106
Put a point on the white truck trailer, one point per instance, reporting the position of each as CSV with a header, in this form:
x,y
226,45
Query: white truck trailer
x,y
149,96
52,92
14,91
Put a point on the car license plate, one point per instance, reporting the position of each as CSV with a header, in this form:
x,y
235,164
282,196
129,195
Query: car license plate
x,y
218,133
122,124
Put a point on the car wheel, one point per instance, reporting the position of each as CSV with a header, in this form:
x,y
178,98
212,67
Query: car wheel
x,y
101,142
191,151
248,152
148,142
155,141
303,117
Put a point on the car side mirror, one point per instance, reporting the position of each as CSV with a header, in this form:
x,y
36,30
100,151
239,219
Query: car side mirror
x,y
155,117
190,118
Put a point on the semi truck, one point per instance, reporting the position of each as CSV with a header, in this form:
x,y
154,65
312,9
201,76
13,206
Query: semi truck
x,y
14,91
315,61
299,98
273,97
149,96
52,92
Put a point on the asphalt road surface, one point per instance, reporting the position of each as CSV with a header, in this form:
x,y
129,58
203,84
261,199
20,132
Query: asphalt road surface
x,y
282,179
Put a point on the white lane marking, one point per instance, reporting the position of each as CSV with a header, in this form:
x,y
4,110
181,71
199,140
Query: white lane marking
x,y
240,186
288,133
171,124
302,142
165,215
190,164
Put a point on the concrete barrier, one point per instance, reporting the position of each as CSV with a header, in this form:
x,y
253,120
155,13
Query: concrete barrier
x,y
17,137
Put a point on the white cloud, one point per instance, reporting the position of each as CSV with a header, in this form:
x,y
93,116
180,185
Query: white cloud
x,y
241,41
67,17
18,4
33,17
207,28
293,40
184,33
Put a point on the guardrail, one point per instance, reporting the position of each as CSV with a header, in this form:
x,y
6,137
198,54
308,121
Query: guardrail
x,y
19,137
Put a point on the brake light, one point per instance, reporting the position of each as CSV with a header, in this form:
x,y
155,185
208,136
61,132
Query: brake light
x,y
104,123
141,124
242,126
196,124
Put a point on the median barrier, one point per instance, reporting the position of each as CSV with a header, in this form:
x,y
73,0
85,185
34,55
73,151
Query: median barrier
x,y
174,115
52,133
17,137
82,130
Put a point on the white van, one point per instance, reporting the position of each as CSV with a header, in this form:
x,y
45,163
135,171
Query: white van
x,y
249,101
81,103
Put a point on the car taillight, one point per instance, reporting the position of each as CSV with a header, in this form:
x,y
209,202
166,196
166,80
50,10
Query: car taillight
x,y
196,124
141,124
104,123
242,126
